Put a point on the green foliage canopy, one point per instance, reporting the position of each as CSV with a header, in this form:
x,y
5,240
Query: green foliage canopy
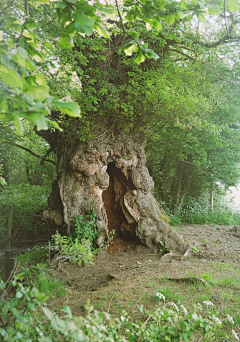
x,y
26,44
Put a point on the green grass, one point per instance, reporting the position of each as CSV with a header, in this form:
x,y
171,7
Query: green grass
x,y
51,287
32,267
228,281
224,267
169,294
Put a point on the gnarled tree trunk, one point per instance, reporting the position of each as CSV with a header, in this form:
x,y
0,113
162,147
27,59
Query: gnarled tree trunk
x,y
109,176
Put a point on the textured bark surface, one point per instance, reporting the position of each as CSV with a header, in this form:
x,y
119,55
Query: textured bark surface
x,y
109,177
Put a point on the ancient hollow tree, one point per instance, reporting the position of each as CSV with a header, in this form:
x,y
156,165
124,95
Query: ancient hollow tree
x,y
101,162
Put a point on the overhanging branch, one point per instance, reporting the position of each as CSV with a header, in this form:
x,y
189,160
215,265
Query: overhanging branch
x,y
183,54
31,152
11,3
224,40
202,62
45,156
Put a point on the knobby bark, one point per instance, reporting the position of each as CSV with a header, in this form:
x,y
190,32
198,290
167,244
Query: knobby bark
x,y
109,176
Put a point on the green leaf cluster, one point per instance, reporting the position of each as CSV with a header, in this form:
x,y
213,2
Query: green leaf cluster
x,y
24,91
20,316
75,251
191,155
86,229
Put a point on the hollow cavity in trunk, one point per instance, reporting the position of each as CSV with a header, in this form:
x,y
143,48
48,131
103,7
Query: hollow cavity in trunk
x,y
113,198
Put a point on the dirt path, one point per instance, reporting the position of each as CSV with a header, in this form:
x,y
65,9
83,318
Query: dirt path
x,y
128,275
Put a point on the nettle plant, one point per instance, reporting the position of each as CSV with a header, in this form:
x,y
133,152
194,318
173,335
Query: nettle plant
x,y
167,323
81,245
73,250
86,229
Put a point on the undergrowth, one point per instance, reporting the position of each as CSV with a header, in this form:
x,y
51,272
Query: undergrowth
x,y
78,249
38,276
32,270
26,317
73,250
201,213
86,229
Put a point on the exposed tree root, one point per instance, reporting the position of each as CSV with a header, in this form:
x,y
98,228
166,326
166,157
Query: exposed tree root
x,y
192,280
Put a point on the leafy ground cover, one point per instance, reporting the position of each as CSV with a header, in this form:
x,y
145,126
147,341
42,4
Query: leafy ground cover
x,y
137,295
128,277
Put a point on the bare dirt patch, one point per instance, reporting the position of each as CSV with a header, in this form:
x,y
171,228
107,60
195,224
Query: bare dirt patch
x,y
128,274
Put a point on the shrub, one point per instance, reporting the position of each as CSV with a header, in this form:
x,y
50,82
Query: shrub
x,y
222,214
21,318
81,245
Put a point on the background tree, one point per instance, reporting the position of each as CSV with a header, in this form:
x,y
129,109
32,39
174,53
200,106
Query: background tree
x,y
192,156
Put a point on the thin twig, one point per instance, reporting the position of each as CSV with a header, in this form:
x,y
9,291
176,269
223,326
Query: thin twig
x,y
120,16
12,274
147,320
101,135
18,95
45,25
13,270
225,17
6,7
26,7
183,54
101,142
45,156
109,305
208,65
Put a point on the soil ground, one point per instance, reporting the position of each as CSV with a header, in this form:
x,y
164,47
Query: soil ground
x,y
127,275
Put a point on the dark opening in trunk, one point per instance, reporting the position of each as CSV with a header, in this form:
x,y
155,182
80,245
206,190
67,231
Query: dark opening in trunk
x,y
114,204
